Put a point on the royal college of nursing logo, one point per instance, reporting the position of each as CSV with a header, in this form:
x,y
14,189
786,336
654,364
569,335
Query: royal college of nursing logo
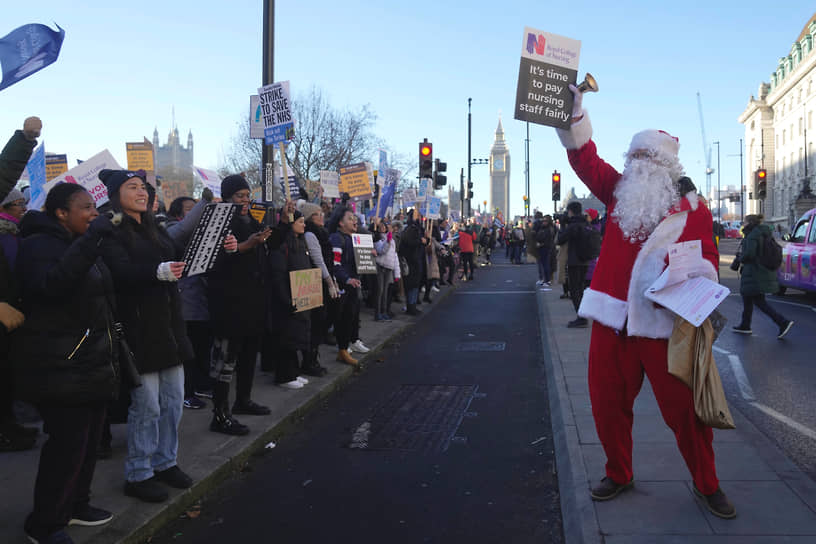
x,y
535,43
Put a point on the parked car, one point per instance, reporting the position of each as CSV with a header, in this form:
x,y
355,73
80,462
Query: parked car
x,y
732,229
798,256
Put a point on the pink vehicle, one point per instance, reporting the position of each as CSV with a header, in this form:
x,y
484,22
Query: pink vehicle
x,y
798,256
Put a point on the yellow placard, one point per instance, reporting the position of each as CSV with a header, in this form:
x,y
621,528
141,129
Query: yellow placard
x,y
354,181
55,166
258,211
307,288
140,155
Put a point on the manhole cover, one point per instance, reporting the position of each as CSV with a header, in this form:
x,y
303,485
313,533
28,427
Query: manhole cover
x,y
480,346
420,418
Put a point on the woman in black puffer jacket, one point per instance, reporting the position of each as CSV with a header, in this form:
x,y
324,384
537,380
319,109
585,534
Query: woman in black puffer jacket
x,y
63,355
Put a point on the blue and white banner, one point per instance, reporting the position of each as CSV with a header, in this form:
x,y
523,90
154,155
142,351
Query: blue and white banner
x,y
390,178
27,50
276,112
36,177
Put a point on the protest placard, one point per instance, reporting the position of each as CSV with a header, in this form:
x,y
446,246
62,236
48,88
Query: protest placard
x,y
140,155
307,289
549,64
86,174
329,181
55,165
208,238
37,173
294,186
425,189
276,112
432,207
390,177
355,181
210,179
409,197
258,211
364,253
256,124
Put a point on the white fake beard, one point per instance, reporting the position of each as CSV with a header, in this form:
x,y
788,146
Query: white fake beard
x,y
644,195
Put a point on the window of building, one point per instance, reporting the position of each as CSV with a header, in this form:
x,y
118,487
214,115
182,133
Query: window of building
x,y
800,126
784,134
810,119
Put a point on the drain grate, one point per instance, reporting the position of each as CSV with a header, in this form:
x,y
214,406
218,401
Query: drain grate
x,y
481,346
422,418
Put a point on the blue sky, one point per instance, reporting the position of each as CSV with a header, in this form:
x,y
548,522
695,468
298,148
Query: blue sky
x,y
124,66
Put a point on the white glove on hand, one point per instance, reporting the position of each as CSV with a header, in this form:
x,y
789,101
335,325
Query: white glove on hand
x,y
334,292
578,97
165,273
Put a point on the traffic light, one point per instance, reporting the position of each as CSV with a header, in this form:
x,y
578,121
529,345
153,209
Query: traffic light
x,y
439,178
425,159
556,186
761,184
470,190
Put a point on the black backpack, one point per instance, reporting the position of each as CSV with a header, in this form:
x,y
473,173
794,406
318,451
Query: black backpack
x,y
589,246
770,252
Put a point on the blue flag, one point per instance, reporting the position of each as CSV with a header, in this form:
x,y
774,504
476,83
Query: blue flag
x,y
27,50
36,177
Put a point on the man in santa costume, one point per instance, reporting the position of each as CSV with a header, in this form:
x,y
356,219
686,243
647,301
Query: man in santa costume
x,y
650,206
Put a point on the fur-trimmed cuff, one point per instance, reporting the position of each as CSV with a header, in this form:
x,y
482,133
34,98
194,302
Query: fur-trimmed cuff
x,y
604,309
578,135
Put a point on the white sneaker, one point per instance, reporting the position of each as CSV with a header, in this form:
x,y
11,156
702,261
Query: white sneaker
x,y
547,284
294,384
540,282
435,289
302,380
360,347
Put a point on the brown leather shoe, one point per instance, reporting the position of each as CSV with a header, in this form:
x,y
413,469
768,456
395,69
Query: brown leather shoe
x,y
344,356
608,489
717,503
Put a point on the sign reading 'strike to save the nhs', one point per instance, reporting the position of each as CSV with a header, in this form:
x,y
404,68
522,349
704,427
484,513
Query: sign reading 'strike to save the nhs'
x,y
549,64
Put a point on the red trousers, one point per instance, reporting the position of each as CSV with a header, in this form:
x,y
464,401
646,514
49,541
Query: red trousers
x,y
616,367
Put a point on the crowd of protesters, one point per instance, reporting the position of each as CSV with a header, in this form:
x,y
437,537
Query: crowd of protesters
x,y
99,325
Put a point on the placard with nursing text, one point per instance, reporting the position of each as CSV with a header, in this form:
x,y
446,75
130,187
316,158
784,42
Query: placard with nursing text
x,y
549,64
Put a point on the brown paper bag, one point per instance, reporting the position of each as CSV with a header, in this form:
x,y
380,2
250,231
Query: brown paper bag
x,y
692,361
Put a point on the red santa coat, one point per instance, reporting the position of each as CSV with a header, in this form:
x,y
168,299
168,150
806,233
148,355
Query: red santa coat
x,y
626,269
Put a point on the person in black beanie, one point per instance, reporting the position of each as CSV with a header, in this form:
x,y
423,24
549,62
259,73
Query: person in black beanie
x,y
237,301
144,263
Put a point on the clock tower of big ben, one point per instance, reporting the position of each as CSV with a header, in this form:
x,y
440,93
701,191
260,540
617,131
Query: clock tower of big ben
x,y
500,175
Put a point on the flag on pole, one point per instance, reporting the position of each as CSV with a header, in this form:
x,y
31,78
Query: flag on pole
x,y
27,50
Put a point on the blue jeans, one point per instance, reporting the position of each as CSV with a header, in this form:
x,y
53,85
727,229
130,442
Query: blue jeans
x,y
544,272
153,420
412,295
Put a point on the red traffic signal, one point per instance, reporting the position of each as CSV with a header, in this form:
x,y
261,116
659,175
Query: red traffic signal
x,y
556,177
425,150
556,186
762,174
425,159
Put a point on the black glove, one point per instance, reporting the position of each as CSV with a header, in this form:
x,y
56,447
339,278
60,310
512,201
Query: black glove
x,y
101,226
293,309
207,194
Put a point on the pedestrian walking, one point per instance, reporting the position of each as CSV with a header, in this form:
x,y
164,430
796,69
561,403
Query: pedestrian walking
x,y
755,280
648,211
572,234
544,241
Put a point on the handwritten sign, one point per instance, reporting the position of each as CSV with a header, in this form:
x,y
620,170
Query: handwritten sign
x,y
307,288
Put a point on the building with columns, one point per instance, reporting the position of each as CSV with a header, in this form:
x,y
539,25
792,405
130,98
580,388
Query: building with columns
x,y
779,134
500,174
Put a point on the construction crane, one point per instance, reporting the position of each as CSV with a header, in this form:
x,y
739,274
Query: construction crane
x,y
706,148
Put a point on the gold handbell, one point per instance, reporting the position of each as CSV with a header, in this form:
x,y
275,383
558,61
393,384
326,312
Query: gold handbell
x,y
588,85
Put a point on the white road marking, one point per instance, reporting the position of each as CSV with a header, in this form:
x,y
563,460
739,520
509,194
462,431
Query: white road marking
x,y
780,301
720,350
810,433
742,379
748,394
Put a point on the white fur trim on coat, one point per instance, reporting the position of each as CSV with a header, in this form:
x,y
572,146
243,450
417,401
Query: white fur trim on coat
x,y
693,199
644,318
578,134
603,308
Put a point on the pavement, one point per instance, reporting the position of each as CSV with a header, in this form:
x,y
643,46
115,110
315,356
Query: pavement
x,y
209,458
775,500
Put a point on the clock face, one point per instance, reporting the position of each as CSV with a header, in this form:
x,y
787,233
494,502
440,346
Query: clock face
x,y
498,164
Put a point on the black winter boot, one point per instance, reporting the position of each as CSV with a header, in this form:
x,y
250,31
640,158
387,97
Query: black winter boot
x,y
222,421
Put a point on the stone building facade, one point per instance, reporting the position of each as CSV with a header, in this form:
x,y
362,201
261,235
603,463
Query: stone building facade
x,y
779,134
174,164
